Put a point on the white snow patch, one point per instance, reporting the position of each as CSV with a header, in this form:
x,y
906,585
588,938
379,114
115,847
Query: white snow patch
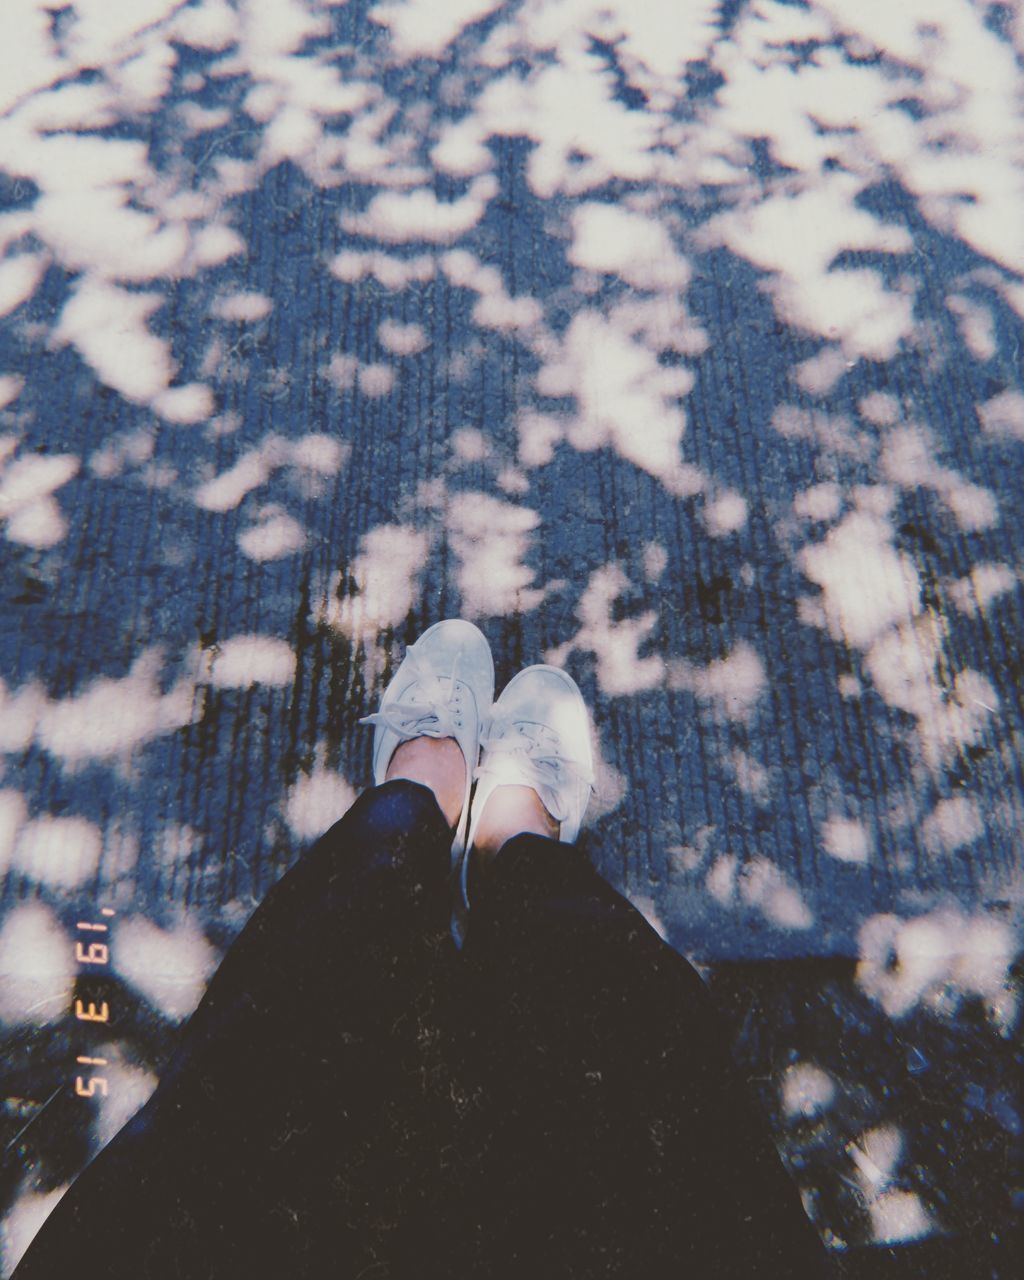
x,y
315,457
615,645
584,137
226,491
867,585
876,1156
11,386
25,1219
637,248
272,538
13,814
245,660
1003,415
831,432
185,405
386,572
903,665
37,966
761,885
752,778
341,371
819,373
470,444
538,435
402,339
976,324
796,237
316,802
425,28
655,561
460,149
907,460
880,407
899,1216
938,959
319,454
376,380
400,217
216,243
244,307
954,823
112,718
733,685
129,1088
19,276
32,515
846,839
62,853
625,398
490,539
170,967
19,715
819,502
725,514
388,270
720,881
107,325
807,1090
986,582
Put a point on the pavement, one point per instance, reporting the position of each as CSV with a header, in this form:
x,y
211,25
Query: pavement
x,y
675,344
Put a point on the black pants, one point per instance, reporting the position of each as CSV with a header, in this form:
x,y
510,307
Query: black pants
x,y
355,1098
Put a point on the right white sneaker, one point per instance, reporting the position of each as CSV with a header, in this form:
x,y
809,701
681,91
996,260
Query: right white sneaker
x,y
539,737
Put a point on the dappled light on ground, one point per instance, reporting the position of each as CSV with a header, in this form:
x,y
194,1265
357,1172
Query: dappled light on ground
x,y
675,344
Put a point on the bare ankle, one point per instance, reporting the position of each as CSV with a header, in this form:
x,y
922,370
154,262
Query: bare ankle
x,y
437,763
511,811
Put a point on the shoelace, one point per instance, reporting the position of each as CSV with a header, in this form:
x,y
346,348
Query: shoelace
x,y
528,753
431,718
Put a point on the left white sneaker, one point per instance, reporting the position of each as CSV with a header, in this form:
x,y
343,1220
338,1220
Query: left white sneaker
x,y
442,689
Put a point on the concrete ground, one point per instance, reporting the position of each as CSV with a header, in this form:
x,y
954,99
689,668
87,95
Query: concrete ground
x,y
676,344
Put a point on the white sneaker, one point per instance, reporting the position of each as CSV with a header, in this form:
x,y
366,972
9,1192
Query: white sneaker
x,y
442,689
539,737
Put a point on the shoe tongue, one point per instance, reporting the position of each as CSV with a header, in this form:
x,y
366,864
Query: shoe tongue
x,y
549,799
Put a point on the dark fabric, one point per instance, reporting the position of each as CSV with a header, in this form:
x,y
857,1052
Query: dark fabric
x,y
293,1131
354,1098
616,1136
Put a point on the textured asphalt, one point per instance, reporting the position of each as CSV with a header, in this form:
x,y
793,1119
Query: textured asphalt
x,y
184,665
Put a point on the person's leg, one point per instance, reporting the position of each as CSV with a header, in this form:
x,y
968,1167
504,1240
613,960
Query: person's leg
x,y
614,1135
291,1126
302,1127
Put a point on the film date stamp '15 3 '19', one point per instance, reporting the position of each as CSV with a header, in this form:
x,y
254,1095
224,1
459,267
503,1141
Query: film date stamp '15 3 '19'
x,y
95,954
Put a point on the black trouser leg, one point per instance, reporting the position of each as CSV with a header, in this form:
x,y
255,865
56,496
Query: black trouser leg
x,y
614,1136
297,1128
